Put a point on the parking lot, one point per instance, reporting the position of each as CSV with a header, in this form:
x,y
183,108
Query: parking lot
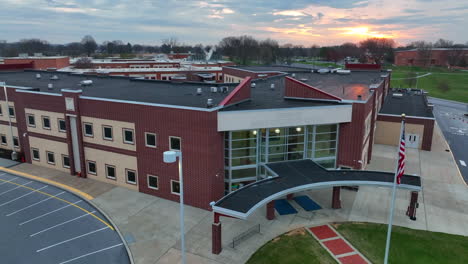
x,y
40,223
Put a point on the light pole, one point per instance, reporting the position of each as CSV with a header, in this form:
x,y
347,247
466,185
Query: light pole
x,y
13,154
171,157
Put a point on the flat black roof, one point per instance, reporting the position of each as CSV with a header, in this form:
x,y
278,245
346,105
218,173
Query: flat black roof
x,y
260,69
293,174
120,88
409,102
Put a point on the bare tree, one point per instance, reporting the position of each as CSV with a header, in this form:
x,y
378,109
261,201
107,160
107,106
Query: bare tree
x,y
455,56
424,52
89,44
377,48
443,43
84,63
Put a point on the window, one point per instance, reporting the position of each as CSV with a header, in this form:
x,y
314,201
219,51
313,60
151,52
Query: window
x,y
107,132
110,172
153,182
88,130
62,125
35,154
50,157
175,187
91,166
45,122
150,140
128,136
66,161
4,140
131,176
31,120
174,143
11,111
15,142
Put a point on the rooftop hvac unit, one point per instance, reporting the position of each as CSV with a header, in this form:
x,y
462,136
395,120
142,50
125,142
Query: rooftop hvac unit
x,y
86,82
50,86
303,80
252,85
398,95
323,71
343,72
38,75
214,89
54,77
199,91
224,89
209,103
272,86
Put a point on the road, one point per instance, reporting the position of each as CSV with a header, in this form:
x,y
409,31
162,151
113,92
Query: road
x,y
454,125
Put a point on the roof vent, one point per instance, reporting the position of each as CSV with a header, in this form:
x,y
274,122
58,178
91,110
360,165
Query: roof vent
x,y
359,97
397,95
214,89
293,75
323,71
224,89
343,72
272,86
38,75
199,91
252,85
54,77
86,82
209,103
303,80
50,86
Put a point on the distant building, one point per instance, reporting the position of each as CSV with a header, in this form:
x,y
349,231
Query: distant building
x,y
435,57
37,63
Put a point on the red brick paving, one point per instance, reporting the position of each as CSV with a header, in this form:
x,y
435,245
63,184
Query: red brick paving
x,y
338,246
352,259
323,232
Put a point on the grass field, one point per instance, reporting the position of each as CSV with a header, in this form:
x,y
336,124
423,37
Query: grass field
x,y
408,245
294,247
456,82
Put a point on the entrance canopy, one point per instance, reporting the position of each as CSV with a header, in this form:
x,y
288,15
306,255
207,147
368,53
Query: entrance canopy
x,y
301,175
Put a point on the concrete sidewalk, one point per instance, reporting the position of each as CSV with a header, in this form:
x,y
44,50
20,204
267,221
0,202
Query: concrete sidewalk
x,y
150,224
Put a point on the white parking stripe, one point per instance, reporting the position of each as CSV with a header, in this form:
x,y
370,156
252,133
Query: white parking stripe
x,y
71,239
31,205
66,222
9,180
92,253
37,217
462,163
24,195
16,187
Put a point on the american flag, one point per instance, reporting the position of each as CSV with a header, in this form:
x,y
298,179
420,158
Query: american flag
x,y
401,156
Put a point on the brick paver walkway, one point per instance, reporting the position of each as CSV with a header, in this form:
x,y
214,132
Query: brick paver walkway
x,y
340,249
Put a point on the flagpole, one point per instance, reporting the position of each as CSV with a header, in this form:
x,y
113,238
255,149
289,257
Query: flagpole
x,y
392,206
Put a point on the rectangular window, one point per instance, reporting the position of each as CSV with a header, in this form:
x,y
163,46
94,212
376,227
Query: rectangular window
x,y
174,143
66,161
50,157
131,176
88,130
91,167
11,111
150,139
107,133
62,125
31,120
15,142
153,182
4,140
110,172
128,136
175,187
35,154
46,122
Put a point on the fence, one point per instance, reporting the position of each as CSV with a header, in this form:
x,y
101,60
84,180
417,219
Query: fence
x,y
244,235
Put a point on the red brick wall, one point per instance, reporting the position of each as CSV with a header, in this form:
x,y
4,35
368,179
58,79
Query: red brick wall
x,y
362,66
41,64
412,58
295,88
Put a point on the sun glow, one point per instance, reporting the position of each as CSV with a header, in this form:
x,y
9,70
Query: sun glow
x,y
363,32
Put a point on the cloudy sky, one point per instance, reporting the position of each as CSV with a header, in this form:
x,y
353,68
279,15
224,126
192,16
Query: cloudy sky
x,y
321,22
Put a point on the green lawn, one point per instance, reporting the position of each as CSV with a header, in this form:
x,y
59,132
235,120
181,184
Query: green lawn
x,y
408,245
456,82
295,247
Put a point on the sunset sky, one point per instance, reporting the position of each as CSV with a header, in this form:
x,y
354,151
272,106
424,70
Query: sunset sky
x,y
322,22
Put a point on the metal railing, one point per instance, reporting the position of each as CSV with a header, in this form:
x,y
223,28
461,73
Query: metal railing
x,y
244,235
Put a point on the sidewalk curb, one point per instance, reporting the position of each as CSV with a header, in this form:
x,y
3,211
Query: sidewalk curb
x,y
449,101
86,197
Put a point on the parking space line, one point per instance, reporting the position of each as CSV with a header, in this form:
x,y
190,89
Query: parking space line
x,y
71,239
65,201
57,225
9,181
24,195
16,187
92,253
37,217
31,205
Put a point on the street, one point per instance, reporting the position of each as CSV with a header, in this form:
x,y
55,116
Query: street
x,y
454,125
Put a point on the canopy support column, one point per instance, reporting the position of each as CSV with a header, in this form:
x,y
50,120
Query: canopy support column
x,y
216,246
336,201
411,212
270,210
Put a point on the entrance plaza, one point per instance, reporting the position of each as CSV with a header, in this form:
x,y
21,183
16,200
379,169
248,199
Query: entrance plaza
x,y
150,224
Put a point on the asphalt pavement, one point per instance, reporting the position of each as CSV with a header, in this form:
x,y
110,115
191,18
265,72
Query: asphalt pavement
x,y
451,118
43,224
